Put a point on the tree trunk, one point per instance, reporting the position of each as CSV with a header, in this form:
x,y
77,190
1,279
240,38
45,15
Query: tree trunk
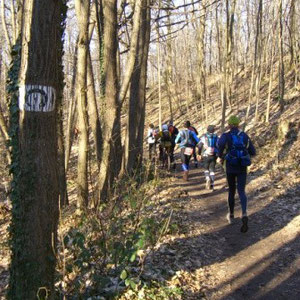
x,y
258,50
34,152
222,70
256,65
135,124
201,58
5,29
72,111
100,31
111,134
228,78
93,110
159,76
91,94
82,12
294,46
63,193
133,50
146,29
169,75
281,79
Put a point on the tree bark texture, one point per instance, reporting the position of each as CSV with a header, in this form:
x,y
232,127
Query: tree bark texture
x,y
72,111
82,13
91,95
168,72
133,50
201,86
135,123
93,110
281,79
110,163
35,184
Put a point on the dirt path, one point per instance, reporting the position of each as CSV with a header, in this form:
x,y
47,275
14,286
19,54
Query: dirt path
x,y
213,260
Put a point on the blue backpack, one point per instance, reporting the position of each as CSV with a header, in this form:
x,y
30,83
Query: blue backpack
x,y
238,154
210,145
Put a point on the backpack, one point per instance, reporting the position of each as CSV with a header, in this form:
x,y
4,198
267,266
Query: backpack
x,y
166,136
238,154
210,145
165,139
193,129
187,139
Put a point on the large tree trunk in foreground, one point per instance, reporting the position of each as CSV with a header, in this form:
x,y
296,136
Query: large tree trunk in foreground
x,y
34,154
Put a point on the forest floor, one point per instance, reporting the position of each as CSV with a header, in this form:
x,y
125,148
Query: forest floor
x,y
210,259
206,258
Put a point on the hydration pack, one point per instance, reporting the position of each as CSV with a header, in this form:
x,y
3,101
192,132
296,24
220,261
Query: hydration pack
x,y
238,154
187,139
165,140
166,136
191,128
210,145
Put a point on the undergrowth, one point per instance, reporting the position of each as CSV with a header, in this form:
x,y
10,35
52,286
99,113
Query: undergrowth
x,y
102,254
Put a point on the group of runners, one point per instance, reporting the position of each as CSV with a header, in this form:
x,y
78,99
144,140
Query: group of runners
x,y
233,150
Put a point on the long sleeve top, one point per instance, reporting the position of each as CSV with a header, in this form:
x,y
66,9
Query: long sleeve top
x,y
187,138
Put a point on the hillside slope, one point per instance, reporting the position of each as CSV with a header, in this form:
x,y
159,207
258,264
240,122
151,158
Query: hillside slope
x,y
213,260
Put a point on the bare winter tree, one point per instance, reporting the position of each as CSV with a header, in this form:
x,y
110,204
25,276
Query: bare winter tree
x,y
136,114
110,163
83,13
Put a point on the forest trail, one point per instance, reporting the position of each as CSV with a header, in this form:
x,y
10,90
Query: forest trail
x,y
210,259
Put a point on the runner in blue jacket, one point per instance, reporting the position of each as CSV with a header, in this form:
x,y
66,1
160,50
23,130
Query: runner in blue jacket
x,y
235,147
187,140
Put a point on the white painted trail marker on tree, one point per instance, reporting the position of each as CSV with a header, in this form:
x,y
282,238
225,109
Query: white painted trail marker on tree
x,y
37,98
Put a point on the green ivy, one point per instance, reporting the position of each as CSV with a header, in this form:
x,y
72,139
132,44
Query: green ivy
x,y
16,228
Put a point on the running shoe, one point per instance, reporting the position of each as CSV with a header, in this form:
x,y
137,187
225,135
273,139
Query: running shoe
x,y
230,218
207,185
244,227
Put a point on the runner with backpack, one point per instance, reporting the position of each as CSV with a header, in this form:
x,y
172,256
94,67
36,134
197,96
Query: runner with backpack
x,y
235,148
151,141
187,140
174,132
208,149
165,145
192,128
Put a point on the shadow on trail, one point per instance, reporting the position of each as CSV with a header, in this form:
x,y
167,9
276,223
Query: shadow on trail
x,y
226,241
277,276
